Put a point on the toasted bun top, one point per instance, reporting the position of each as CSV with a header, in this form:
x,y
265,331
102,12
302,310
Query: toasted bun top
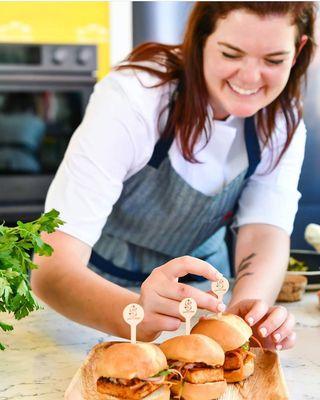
x,y
128,361
230,331
193,348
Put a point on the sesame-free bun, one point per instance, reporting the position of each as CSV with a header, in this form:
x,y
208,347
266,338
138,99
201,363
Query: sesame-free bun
x,y
141,360
131,360
229,330
238,375
200,391
163,393
193,348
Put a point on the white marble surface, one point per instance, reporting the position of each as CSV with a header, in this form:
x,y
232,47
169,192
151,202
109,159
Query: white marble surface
x,y
45,350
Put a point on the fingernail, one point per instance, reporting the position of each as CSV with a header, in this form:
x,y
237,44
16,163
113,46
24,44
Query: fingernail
x,y
277,337
279,347
221,307
263,332
293,336
250,321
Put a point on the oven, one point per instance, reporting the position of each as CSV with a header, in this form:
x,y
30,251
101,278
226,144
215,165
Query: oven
x,y
44,90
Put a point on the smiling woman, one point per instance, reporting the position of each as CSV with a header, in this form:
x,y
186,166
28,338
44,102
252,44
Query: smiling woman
x,y
177,143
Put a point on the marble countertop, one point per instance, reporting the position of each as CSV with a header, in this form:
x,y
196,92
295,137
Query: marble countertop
x,y
45,350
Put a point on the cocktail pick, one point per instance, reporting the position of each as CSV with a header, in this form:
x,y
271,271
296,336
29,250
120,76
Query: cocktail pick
x,y
188,308
133,314
220,288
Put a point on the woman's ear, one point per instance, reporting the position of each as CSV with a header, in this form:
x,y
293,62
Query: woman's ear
x,y
303,41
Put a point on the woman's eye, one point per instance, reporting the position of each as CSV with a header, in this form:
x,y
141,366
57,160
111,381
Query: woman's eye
x,y
275,62
229,55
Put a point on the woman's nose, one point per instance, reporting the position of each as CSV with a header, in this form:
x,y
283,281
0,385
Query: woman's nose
x,y
250,74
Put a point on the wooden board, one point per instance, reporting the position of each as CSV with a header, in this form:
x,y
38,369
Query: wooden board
x,y
267,382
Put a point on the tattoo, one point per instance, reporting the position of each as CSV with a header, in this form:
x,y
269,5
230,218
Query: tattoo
x,y
242,276
245,263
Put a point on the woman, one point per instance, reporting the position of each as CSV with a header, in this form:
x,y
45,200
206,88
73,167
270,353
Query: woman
x,y
174,142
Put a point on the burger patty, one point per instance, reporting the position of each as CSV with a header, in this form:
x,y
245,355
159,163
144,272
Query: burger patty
x,y
204,375
232,361
135,389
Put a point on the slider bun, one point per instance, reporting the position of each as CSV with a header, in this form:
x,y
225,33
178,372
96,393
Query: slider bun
x,y
200,391
193,348
230,331
163,393
237,375
130,360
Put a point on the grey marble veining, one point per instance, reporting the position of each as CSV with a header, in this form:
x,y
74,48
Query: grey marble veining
x,y
45,350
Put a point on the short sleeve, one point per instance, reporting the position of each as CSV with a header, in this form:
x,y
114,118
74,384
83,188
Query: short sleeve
x,y
271,196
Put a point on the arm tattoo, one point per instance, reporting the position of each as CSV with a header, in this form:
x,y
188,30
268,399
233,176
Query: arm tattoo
x,y
245,263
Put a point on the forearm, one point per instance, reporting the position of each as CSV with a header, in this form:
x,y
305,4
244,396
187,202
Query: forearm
x,y
69,287
261,260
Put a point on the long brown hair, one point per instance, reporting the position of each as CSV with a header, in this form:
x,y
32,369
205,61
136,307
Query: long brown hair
x,y
183,64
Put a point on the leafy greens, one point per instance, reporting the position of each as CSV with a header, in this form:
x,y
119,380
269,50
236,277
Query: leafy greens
x,y
16,247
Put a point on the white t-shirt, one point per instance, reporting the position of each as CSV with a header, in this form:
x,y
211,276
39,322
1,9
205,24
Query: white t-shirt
x,y
116,140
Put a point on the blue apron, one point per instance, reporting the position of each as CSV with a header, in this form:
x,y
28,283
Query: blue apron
x,y
159,216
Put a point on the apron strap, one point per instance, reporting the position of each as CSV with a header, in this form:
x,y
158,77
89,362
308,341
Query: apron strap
x,y
160,151
162,147
252,146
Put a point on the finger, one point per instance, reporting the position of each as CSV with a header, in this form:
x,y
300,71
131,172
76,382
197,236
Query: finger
x,y
160,322
165,306
258,310
276,317
285,329
288,342
179,291
182,266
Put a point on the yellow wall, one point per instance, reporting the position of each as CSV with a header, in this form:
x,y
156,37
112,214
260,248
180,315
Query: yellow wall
x,y
58,22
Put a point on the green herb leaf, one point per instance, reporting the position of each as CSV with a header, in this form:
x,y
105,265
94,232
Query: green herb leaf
x,y
6,327
296,265
16,247
246,346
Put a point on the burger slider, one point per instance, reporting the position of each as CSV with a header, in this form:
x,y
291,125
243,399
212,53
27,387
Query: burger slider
x,y
199,360
233,334
125,371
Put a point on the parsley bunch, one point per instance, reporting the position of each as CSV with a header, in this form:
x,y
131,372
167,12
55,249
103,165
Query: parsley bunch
x,y
16,247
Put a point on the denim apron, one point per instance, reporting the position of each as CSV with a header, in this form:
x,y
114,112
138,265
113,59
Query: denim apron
x,y
159,216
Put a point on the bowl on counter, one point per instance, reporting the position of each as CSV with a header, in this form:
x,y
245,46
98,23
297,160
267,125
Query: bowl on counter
x,y
312,260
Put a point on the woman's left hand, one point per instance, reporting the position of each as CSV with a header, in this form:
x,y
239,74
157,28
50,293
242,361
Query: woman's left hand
x,y
272,326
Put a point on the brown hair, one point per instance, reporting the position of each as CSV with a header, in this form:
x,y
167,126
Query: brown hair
x,y
183,65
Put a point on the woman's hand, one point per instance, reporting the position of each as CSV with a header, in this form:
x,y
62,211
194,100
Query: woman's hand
x,y
273,326
161,294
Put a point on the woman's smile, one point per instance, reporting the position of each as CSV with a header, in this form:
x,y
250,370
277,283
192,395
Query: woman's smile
x,y
240,90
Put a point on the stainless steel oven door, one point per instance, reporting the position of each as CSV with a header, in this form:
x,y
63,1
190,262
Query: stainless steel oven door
x,y
38,114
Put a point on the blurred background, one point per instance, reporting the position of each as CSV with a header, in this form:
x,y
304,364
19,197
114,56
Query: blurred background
x,y
52,54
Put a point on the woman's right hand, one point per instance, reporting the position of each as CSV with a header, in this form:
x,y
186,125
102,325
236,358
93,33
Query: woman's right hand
x,y
161,294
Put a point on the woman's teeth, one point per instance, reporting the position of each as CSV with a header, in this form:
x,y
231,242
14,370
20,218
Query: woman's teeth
x,y
245,92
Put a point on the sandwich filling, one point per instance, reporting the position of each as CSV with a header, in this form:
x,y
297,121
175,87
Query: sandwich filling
x,y
135,388
196,372
235,359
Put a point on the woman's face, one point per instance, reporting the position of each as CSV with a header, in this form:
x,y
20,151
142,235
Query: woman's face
x,y
247,62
